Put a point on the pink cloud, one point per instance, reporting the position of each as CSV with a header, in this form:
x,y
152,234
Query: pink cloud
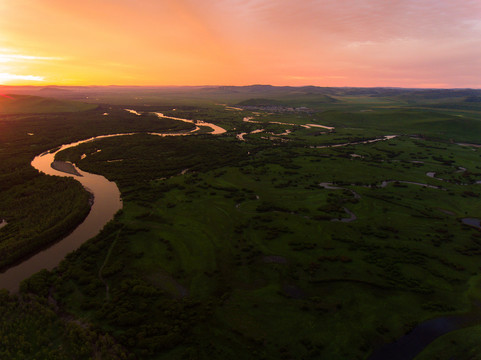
x,y
335,42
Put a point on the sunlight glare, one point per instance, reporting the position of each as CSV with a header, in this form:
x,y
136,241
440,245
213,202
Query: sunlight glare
x,y
7,77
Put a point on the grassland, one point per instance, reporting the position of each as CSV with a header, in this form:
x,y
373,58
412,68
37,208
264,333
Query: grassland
x,y
229,249
264,240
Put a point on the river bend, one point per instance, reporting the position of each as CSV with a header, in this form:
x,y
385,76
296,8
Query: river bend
x,y
106,202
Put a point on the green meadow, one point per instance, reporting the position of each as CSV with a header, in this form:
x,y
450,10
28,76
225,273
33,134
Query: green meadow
x,y
280,246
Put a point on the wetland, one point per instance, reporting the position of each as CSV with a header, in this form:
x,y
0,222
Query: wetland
x,y
294,234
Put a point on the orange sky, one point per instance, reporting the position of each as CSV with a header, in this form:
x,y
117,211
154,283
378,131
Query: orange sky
x,y
406,43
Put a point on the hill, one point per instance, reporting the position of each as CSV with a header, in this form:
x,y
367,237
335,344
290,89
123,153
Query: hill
x,y
26,104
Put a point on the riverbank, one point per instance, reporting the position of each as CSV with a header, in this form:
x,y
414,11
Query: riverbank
x,y
65,167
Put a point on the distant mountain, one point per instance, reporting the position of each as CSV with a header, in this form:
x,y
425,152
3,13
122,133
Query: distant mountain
x,y
294,100
261,102
473,99
313,97
26,104
434,94
269,91
54,90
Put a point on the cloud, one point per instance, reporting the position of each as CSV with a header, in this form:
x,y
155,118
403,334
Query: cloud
x,y
13,64
326,42
7,77
367,19
18,57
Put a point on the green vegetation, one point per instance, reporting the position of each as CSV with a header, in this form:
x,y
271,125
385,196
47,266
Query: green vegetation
x,y
33,328
207,235
25,104
229,249
39,209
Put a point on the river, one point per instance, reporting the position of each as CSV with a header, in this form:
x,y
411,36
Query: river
x,y
106,202
410,345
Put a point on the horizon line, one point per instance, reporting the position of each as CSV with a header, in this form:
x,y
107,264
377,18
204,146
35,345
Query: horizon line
x,y
250,85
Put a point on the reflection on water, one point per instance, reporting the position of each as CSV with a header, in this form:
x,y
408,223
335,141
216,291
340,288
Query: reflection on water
x,y
307,126
386,137
411,344
241,136
257,131
472,222
133,112
216,130
106,203
387,182
319,126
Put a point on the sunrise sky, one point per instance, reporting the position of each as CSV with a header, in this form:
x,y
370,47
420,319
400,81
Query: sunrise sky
x,y
405,43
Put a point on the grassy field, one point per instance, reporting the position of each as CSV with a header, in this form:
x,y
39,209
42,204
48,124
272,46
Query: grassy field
x,y
229,249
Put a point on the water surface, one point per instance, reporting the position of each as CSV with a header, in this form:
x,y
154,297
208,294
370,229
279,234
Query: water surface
x,y
106,203
472,222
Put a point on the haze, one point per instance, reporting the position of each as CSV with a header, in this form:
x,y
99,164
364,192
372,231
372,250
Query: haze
x,y
409,43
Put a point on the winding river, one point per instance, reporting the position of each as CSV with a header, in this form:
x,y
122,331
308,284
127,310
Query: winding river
x,y
106,203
